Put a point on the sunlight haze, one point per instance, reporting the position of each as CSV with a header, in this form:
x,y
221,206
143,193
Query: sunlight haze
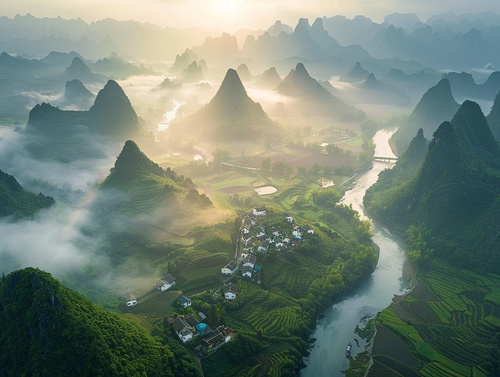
x,y
232,15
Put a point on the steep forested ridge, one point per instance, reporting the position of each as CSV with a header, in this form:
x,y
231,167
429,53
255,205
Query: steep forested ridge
x,y
48,330
452,203
16,201
436,106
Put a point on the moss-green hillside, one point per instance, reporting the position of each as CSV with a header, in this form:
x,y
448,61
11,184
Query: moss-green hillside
x,y
46,329
17,202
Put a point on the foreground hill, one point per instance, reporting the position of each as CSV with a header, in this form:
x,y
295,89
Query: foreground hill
x,y
48,330
16,201
436,106
231,114
452,203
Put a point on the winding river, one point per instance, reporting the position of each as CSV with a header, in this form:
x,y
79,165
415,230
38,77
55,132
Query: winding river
x,y
336,329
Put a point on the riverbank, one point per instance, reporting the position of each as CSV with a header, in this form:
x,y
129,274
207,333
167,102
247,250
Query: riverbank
x,y
337,327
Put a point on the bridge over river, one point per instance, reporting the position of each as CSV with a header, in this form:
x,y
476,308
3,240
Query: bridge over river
x,y
385,159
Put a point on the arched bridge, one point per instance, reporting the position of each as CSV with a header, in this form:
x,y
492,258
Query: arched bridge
x,y
385,159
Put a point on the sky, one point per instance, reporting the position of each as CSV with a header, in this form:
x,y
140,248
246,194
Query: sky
x,y
232,15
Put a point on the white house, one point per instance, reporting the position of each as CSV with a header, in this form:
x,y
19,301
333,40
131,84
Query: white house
x,y
131,300
231,291
259,212
289,219
182,329
247,271
165,283
229,268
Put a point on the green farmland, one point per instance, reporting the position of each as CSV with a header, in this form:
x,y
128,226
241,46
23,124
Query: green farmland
x,y
447,326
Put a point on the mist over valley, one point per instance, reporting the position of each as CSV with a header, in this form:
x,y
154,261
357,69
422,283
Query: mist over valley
x,y
195,190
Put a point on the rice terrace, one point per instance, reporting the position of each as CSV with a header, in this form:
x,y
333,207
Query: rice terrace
x,y
450,320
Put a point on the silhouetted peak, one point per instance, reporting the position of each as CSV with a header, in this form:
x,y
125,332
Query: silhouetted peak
x,y
318,24
357,72
74,87
110,90
300,70
231,86
78,63
302,26
437,98
371,82
131,162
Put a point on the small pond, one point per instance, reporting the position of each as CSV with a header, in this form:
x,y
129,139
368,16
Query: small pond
x,y
266,190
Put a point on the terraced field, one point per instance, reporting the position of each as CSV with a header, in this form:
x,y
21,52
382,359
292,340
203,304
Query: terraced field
x,y
449,325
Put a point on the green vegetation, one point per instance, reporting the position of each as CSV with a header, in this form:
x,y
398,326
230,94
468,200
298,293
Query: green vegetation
x,y
448,325
46,329
16,201
449,206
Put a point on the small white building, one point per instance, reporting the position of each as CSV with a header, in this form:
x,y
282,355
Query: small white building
x,y
247,271
259,212
165,283
230,292
131,300
182,329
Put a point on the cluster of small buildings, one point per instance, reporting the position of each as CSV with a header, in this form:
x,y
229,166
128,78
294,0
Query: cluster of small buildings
x,y
256,237
187,328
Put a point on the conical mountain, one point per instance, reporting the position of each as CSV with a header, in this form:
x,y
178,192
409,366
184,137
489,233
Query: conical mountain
x,y
79,70
192,73
48,330
414,155
357,73
17,202
436,106
454,198
244,72
230,114
494,118
314,98
130,164
75,93
269,79
113,114
147,183
371,82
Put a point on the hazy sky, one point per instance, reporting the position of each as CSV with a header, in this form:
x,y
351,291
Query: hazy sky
x,y
235,14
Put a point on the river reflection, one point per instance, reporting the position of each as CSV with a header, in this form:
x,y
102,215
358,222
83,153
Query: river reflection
x,y
336,329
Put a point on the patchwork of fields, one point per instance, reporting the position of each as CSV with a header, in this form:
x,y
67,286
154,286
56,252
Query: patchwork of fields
x,y
447,326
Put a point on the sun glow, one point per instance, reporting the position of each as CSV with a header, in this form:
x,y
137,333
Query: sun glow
x,y
226,6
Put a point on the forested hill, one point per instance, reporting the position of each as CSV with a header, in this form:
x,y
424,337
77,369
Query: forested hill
x,y
48,330
16,201
452,203
145,181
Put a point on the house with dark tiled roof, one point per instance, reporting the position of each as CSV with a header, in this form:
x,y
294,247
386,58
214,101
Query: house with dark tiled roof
x,y
229,269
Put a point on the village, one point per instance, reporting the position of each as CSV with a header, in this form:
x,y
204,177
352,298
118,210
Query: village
x,y
261,231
